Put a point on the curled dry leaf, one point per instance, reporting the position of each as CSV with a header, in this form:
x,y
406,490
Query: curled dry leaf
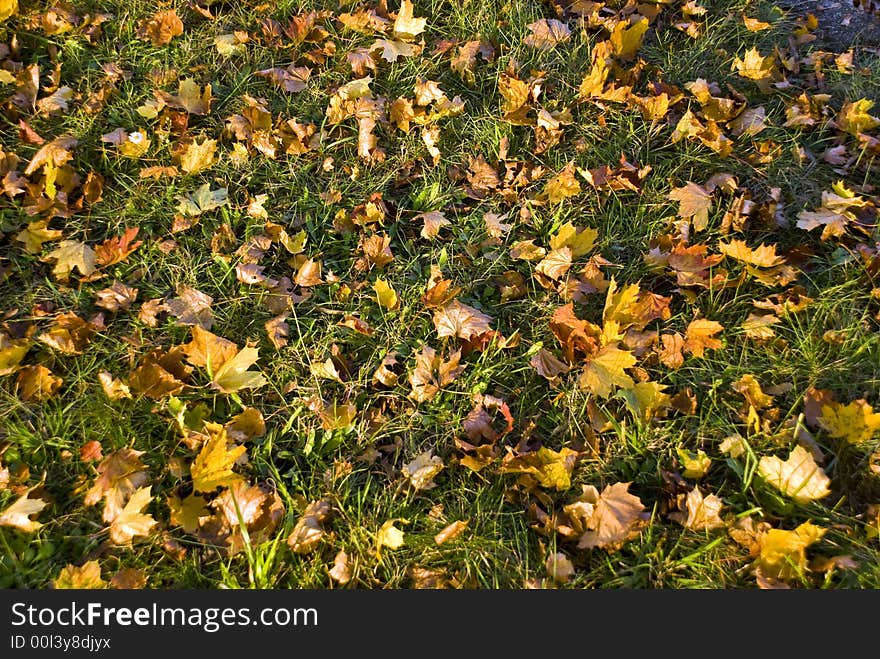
x,y
309,529
420,472
341,572
698,513
451,531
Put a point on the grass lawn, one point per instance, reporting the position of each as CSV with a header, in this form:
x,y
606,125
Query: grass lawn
x,y
495,294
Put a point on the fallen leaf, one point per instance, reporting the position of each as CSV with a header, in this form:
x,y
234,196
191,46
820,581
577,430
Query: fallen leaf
x,y
547,34
37,383
605,370
856,422
385,294
129,578
162,28
192,307
420,472
233,376
11,353
406,25
213,465
18,514
432,373
783,553
87,576
131,522
451,531
559,567
389,536
309,529
208,350
551,469
693,202
341,572
699,513
198,156
118,297
188,512
700,336
798,477
35,234
627,39
458,319
433,222
120,474
615,516
70,255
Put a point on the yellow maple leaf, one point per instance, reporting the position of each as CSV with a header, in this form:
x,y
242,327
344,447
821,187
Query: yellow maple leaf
x,y
18,514
799,476
88,576
212,467
233,375
8,9
131,522
12,351
35,234
763,256
72,254
552,469
854,117
186,513
693,202
389,536
385,294
562,186
580,241
198,156
856,422
646,399
783,553
626,40
406,26
754,66
700,335
619,303
604,371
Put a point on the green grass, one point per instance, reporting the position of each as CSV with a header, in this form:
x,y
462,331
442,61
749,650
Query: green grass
x,y
504,545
